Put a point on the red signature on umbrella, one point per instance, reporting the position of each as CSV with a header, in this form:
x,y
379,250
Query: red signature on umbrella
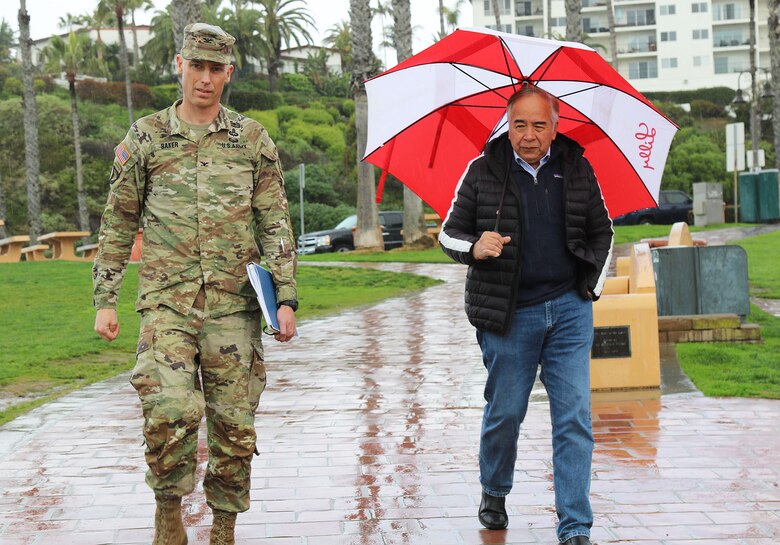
x,y
646,147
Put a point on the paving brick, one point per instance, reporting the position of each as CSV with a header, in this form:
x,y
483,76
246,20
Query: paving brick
x,y
372,439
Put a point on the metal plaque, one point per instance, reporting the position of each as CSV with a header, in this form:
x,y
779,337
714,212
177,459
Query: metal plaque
x,y
611,342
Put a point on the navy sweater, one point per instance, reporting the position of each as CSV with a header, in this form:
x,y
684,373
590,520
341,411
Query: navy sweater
x,y
548,268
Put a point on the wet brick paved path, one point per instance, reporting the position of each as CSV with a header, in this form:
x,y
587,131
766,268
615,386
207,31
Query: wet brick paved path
x,y
368,435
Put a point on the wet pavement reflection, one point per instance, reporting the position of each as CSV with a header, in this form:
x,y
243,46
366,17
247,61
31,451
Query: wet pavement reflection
x,y
368,435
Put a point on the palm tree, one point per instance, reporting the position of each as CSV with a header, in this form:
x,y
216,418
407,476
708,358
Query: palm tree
x,y
160,50
31,153
452,16
71,55
119,7
243,24
283,23
414,221
497,14
774,54
573,20
100,18
441,18
183,12
367,233
612,34
132,6
340,39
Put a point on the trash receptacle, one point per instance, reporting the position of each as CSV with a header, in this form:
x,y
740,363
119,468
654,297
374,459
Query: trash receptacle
x,y
701,280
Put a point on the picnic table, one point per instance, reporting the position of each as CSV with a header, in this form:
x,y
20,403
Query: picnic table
x,y
11,248
63,244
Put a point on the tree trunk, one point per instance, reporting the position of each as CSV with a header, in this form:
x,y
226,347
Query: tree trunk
x,y
414,220
755,120
573,20
31,155
123,62
183,12
136,51
442,30
368,233
3,232
497,14
612,35
80,193
774,54
549,19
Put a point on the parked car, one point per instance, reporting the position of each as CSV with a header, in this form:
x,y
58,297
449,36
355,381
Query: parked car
x,y
673,206
339,239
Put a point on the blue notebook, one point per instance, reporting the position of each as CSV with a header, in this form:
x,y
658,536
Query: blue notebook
x,y
263,283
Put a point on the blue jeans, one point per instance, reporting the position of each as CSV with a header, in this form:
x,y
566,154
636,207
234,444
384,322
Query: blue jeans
x,y
558,335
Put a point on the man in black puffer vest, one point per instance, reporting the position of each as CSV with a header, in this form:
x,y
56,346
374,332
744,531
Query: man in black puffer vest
x,y
530,221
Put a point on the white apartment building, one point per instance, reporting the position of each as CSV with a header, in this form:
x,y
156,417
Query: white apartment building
x,y
661,45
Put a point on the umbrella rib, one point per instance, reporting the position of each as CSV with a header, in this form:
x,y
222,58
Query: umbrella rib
x,y
457,67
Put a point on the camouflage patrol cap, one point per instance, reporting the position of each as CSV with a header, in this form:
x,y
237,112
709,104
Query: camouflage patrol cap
x,y
207,43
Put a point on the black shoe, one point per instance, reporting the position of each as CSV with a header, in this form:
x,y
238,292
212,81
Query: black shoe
x,y
492,513
577,540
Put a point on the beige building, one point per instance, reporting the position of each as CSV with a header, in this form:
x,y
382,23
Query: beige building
x,y
661,45
108,35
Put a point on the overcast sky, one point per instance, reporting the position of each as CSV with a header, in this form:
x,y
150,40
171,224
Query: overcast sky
x,y
45,14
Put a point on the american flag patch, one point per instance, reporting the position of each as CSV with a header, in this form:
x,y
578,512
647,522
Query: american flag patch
x,y
122,154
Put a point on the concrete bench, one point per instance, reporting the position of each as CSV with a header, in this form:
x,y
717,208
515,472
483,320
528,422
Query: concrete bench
x,y
35,252
87,251
626,353
11,248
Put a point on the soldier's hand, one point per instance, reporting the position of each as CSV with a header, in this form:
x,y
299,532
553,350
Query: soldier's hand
x,y
106,324
490,244
286,317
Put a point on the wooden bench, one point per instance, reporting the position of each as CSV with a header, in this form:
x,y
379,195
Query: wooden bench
x,y
35,253
11,248
87,251
63,244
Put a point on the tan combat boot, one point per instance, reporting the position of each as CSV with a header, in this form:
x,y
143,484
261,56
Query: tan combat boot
x,y
223,528
168,527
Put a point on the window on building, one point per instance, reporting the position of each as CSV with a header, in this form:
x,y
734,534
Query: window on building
x,y
699,7
670,36
701,34
524,30
502,28
640,17
726,12
671,62
667,9
700,60
504,6
643,70
559,21
523,8
727,38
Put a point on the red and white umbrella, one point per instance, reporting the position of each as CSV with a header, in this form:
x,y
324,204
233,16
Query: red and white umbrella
x,y
430,115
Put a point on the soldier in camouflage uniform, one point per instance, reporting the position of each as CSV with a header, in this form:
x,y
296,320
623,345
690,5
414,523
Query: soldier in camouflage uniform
x,y
206,186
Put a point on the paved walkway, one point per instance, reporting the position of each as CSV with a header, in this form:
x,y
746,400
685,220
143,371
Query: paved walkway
x,y
368,435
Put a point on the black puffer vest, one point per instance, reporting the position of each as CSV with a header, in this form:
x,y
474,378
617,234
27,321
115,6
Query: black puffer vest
x,y
491,285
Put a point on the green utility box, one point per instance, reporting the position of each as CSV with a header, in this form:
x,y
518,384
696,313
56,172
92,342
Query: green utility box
x,y
701,280
759,196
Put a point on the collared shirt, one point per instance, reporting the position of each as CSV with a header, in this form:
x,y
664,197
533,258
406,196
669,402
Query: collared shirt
x,y
527,166
209,204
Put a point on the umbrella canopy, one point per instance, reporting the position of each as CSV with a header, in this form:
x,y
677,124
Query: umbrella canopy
x,y
430,115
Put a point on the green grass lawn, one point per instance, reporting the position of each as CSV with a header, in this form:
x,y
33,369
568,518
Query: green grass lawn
x,y
737,369
399,255
46,318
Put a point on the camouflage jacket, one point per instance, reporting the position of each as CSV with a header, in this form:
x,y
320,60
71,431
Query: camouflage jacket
x,y
207,209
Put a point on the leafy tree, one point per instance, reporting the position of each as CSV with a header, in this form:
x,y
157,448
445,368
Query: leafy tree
x,y
183,12
693,157
6,41
283,23
72,55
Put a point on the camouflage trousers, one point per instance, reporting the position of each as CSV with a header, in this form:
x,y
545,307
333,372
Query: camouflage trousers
x,y
188,366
